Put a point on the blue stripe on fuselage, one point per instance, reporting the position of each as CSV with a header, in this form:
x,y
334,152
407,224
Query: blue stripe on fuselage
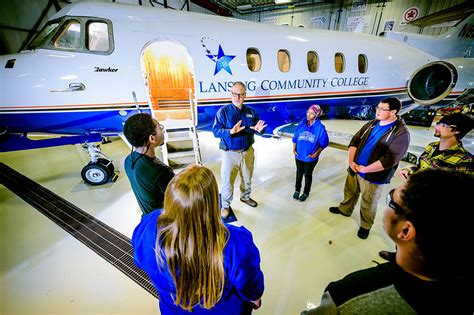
x,y
274,112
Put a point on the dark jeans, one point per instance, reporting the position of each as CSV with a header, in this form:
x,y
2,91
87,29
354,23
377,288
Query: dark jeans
x,y
306,169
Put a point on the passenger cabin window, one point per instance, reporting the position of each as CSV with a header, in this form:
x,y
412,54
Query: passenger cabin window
x,y
69,37
339,62
97,36
362,63
254,61
313,61
283,60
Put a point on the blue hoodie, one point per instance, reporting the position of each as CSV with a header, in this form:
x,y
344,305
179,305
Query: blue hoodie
x,y
243,277
308,139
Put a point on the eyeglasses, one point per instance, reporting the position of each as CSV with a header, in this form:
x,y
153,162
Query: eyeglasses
x,y
445,125
382,109
161,129
238,94
392,204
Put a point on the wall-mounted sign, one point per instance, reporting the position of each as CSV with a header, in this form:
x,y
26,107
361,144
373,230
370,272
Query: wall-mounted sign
x,y
353,21
359,5
318,19
389,25
269,19
410,14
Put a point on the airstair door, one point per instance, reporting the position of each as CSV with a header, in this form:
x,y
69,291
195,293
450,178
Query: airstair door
x,y
169,75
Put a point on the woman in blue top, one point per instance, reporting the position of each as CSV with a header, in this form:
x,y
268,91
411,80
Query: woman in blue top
x,y
309,141
197,263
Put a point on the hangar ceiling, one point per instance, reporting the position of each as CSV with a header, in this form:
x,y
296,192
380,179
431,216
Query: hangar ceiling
x,y
252,6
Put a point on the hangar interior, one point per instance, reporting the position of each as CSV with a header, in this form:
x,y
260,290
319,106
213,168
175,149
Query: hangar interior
x,y
45,270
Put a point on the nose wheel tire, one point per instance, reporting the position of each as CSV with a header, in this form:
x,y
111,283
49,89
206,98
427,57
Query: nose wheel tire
x,y
98,173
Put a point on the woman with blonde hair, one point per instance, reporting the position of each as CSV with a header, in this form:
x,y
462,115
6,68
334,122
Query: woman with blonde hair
x,y
196,262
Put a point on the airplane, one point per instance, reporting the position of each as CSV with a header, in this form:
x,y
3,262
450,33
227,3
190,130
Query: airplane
x,y
95,64
457,42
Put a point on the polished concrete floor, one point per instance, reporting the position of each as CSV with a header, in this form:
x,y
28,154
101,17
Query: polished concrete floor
x,y
44,270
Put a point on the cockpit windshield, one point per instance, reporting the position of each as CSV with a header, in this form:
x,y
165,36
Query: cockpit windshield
x,y
42,36
75,34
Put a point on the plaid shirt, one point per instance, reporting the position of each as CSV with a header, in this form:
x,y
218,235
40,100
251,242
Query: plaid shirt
x,y
455,158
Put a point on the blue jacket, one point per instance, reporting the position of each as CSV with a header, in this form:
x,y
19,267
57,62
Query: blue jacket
x,y
244,279
226,118
308,139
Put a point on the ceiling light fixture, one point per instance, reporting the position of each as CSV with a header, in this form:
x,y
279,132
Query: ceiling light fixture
x,y
282,1
244,7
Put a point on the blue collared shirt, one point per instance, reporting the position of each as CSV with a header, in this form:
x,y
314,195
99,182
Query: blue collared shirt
x,y
226,118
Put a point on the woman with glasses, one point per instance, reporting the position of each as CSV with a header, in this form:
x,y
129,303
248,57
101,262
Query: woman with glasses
x,y
309,140
196,262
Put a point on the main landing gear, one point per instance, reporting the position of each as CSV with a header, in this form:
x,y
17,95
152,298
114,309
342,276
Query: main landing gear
x,y
100,169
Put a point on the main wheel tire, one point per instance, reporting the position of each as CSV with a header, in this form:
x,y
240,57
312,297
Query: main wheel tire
x,y
96,174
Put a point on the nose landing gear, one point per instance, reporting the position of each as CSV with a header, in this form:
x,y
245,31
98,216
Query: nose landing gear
x,y
100,169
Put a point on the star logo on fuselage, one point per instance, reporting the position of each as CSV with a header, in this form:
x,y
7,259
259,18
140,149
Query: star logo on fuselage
x,y
222,61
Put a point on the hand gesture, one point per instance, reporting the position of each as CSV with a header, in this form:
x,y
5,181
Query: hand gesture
x,y
359,168
353,166
313,156
256,304
403,173
237,128
259,126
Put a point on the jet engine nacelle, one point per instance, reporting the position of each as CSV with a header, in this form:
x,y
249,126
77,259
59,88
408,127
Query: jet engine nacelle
x,y
433,82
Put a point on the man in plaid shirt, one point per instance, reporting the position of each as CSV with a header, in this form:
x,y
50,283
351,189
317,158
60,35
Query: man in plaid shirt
x,y
447,153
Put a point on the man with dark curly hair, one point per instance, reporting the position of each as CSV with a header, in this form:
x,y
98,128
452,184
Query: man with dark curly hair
x,y
148,176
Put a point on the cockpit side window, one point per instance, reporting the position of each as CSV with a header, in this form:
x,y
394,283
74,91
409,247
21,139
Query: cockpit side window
x,y
77,34
42,36
69,37
97,36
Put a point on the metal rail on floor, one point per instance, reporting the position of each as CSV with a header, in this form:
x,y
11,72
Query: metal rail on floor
x,y
105,241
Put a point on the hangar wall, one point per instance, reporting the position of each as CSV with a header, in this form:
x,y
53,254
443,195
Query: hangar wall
x,y
326,16
20,20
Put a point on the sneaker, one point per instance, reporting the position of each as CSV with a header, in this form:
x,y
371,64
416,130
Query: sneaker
x,y
389,256
225,213
363,233
336,210
303,197
250,202
296,195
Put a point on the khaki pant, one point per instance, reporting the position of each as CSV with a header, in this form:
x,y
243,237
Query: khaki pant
x,y
233,163
355,186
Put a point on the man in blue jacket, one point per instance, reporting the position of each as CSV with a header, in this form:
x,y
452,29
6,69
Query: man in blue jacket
x,y
235,125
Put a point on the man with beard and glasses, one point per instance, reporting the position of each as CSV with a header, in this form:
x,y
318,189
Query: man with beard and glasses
x,y
447,153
